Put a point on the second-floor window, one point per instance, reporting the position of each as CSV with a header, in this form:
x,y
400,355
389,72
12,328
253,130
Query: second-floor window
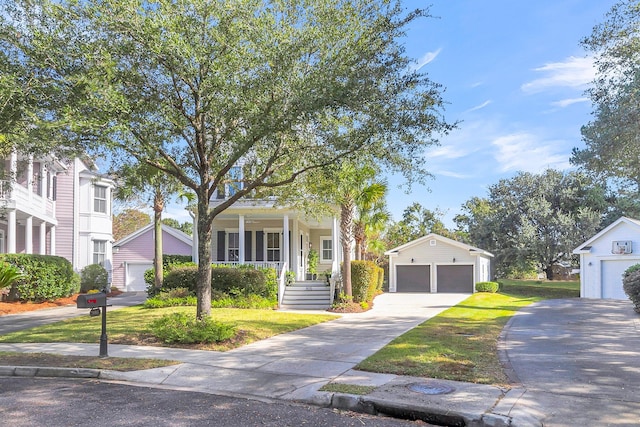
x,y
99,251
100,199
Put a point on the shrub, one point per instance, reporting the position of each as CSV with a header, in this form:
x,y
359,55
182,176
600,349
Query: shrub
x,y
241,281
487,287
365,280
186,329
93,276
631,285
181,276
162,302
45,277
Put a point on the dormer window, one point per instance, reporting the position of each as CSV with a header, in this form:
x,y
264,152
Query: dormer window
x,y
232,184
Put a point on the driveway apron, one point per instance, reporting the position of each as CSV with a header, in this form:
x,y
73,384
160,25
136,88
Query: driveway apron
x,y
579,361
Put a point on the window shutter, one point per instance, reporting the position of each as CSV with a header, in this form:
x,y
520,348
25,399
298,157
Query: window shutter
x,y
259,245
247,246
221,248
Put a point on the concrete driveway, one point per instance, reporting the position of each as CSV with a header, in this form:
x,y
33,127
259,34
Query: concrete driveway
x,y
579,361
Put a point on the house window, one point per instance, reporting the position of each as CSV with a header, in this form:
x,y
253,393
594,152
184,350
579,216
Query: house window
x,y
233,247
2,247
235,183
326,249
273,246
100,199
99,251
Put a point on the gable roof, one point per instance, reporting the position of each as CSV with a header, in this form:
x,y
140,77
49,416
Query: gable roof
x,y
586,246
419,241
180,235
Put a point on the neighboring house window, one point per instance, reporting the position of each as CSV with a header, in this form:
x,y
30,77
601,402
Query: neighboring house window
x,y
99,251
233,245
100,199
2,250
326,249
273,246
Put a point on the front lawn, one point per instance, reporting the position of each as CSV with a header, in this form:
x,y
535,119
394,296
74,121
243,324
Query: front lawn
x,y
461,343
131,326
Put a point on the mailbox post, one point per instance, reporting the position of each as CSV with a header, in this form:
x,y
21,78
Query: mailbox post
x,y
96,302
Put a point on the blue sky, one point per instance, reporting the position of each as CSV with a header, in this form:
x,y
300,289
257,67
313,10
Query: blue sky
x,y
514,75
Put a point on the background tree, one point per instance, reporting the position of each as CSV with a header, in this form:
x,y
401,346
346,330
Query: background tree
x,y
535,219
197,88
612,140
417,221
128,221
186,227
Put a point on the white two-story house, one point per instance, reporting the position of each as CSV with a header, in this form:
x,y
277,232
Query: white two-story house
x,y
258,232
59,208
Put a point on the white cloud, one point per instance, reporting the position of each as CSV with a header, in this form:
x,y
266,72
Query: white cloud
x,y
566,102
573,72
479,107
525,152
426,58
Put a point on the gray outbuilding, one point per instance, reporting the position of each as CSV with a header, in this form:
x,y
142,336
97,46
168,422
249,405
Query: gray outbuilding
x,y
437,264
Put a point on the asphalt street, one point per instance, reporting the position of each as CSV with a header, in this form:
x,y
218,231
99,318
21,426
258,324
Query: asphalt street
x,y
29,402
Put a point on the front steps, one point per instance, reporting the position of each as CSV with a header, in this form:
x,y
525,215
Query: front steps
x,y
308,295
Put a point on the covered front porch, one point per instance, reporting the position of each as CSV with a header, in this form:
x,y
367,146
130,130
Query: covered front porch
x,y
278,238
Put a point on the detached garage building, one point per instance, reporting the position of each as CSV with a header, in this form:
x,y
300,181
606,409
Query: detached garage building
x,y
434,263
605,257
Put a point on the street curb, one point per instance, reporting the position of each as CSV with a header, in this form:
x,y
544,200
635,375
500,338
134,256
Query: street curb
x,y
34,371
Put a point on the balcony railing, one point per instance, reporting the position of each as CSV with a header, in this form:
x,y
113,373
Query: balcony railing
x,y
5,189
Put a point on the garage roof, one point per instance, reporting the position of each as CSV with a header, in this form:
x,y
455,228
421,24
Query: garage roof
x,y
472,249
586,246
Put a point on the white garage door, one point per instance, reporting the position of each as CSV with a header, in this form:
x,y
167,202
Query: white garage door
x,y
135,277
612,271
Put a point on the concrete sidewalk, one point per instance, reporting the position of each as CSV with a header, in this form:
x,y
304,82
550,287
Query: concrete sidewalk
x,y
294,366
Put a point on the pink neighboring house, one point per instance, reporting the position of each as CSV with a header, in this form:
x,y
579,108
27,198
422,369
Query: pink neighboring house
x,y
133,255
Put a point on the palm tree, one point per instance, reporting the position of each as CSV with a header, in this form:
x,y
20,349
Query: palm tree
x,y
372,215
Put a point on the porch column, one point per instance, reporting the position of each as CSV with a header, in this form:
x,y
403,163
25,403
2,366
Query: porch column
x,y
52,240
28,235
335,242
295,249
11,231
30,180
13,167
285,239
241,239
43,238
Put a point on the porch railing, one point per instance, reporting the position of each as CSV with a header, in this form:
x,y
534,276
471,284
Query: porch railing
x,y
279,266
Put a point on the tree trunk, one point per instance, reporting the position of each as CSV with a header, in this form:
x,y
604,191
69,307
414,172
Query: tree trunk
x,y
549,272
358,234
158,207
346,230
203,287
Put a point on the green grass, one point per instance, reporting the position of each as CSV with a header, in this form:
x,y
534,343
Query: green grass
x,y
461,343
131,326
347,388
8,358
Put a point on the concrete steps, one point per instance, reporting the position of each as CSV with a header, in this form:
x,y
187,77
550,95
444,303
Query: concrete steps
x,y
308,295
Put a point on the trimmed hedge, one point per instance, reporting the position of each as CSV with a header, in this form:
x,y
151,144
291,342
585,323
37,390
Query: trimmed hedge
x,y
46,277
491,287
232,281
365,280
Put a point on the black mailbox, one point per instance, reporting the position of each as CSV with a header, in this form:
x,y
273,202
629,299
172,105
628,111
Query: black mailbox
x,y
92,300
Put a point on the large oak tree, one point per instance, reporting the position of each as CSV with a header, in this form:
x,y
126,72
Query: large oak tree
x,y
194,88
